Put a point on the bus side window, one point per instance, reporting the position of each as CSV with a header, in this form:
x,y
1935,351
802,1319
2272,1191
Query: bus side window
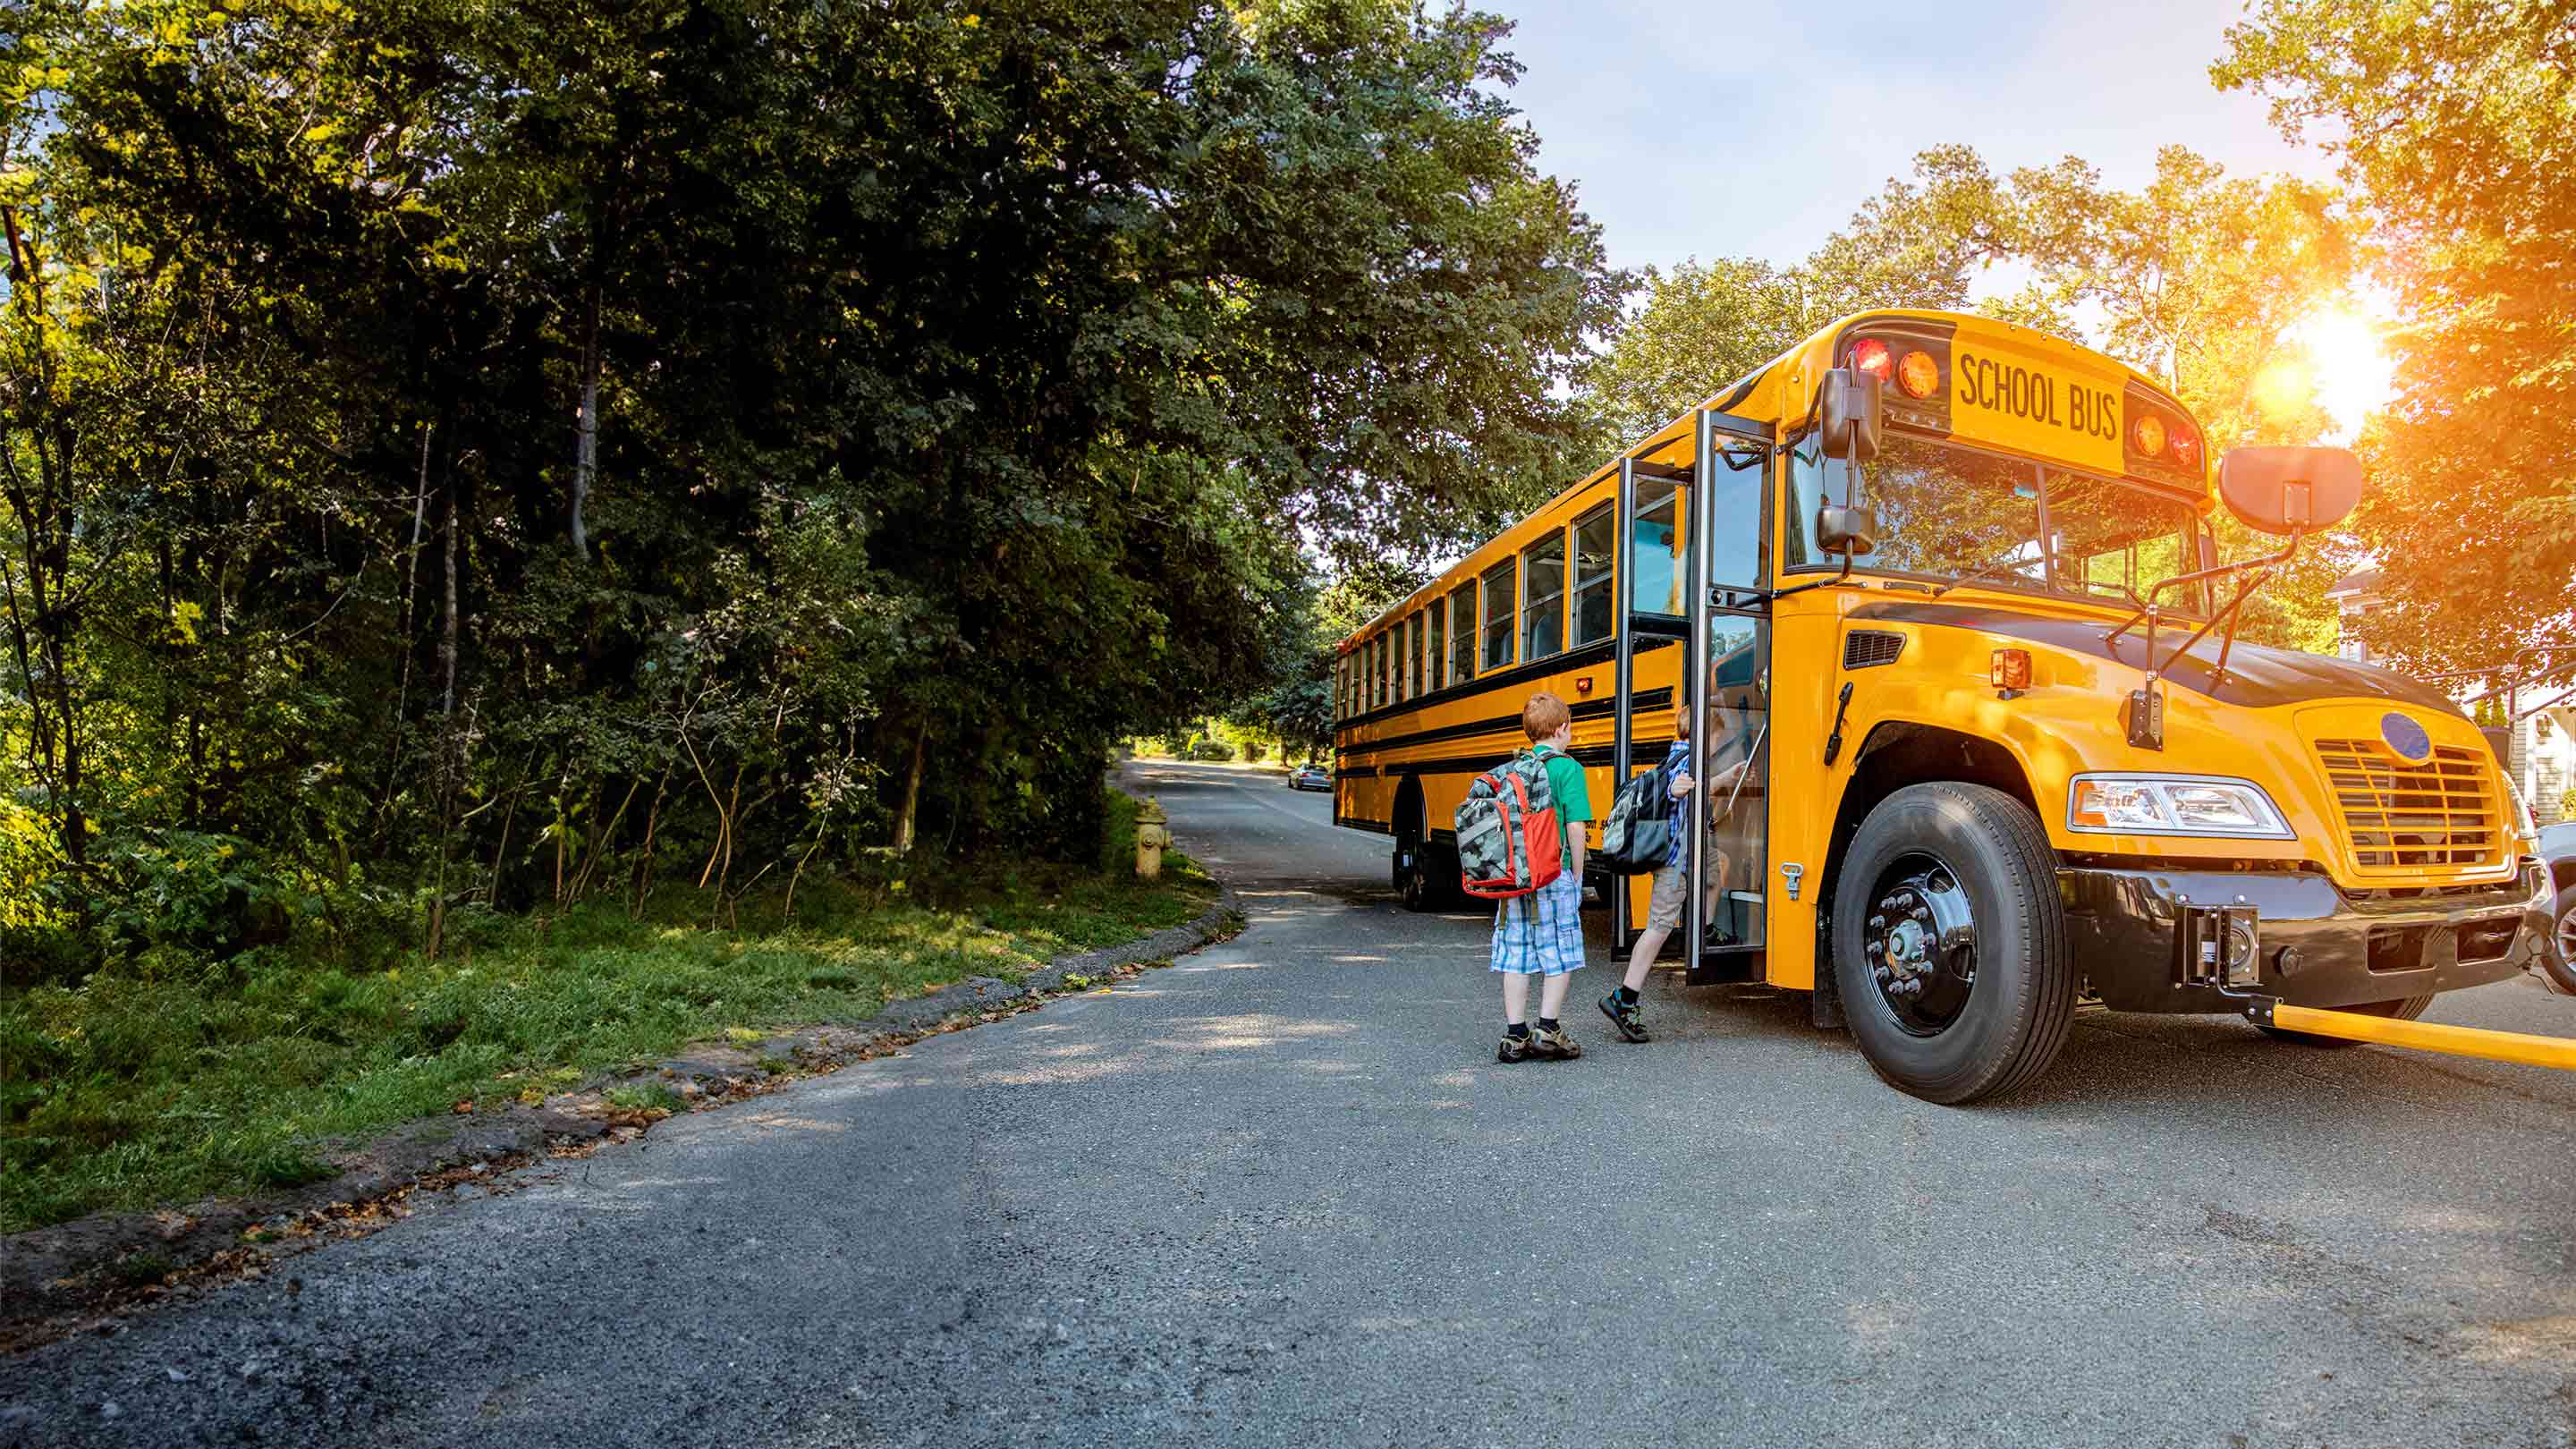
x,y
1658,585
1437,649
1499,612
1543,613
1420,677
1593,535
1462,633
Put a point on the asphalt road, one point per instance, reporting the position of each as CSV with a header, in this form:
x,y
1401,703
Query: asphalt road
x,y
1282,1194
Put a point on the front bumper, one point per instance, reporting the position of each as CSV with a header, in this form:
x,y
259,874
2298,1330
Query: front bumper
x,y
2317,945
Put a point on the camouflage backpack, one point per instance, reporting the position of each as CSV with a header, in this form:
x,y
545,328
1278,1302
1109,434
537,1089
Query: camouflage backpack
x,y
1508,837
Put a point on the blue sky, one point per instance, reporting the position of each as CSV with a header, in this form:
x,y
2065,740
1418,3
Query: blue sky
x,y
1754,129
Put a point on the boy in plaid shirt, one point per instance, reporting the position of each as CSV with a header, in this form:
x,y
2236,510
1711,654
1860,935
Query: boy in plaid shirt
x,y
1541,934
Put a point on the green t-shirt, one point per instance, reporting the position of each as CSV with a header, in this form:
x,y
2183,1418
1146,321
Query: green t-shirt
x,y
1565,782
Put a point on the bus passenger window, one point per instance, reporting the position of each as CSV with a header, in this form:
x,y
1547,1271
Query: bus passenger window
x,y
1462,633
1498,615
1418,676
1377,672
1658,587
1594,534
1543,615
1437,650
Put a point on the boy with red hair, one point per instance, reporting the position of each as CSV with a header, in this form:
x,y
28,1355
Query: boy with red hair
x,y
1541,934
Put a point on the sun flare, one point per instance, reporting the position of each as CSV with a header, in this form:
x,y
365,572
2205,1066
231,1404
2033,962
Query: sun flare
x,y
2349,368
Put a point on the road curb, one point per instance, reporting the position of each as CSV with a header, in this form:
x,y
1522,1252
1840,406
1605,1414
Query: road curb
x,y
82,1275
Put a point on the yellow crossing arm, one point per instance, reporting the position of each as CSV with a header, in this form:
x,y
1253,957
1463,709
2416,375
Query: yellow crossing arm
x,y
2458,1041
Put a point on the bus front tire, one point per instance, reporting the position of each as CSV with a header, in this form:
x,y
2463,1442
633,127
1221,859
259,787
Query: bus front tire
x,y
1949,943
2405,1008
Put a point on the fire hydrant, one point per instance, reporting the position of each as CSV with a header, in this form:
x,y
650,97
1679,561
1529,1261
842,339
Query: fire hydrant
x,y
1151,836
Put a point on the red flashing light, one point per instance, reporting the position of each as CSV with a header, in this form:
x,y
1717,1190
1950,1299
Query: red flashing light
x,y
2186,446
1871,356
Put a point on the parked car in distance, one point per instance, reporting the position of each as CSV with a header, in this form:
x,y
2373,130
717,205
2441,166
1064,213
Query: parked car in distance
x,y
1310,777
2558,851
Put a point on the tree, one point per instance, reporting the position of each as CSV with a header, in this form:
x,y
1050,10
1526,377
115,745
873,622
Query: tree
x,y
2201,280
485,451
1918,243
2450,124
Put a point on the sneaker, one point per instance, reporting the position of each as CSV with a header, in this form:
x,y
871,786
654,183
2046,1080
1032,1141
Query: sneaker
x,y
1553,1045
1625,1016
1513,1049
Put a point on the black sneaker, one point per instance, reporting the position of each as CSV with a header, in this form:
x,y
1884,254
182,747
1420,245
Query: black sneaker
x,y
1625,1016
1553,1045
1513,1049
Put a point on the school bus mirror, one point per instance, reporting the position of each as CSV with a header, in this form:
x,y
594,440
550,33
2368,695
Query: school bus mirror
x,y
1847,406
2289,490
1847,530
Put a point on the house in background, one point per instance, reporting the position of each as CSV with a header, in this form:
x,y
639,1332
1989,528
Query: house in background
x,y
2538,742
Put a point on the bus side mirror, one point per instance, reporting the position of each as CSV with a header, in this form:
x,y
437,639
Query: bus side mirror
x,y
2289,490
1847,404
1847,530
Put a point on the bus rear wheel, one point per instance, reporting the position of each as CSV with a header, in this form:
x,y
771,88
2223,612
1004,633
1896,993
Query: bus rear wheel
x,y
1417,880
1949,943
2405,1008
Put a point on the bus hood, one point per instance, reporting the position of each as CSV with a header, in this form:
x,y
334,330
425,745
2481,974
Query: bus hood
x,y
2258,676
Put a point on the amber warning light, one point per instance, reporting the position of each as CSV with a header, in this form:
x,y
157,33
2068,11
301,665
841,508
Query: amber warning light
x,y
2010,669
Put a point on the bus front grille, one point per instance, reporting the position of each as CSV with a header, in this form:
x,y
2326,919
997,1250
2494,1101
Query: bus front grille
x,y
2401,816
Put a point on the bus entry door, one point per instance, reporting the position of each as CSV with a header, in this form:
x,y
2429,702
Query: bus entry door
x,y
1728,815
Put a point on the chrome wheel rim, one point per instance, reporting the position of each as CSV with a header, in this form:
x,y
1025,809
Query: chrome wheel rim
x,y
1920,941
2567,938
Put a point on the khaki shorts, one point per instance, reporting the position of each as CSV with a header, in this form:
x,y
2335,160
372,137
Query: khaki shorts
x,y
1664,911
1664,907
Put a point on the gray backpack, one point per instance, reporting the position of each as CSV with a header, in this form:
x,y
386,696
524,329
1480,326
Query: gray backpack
x,y
1509,842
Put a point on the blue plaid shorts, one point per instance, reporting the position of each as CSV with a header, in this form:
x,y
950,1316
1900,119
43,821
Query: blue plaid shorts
x,y
1541,934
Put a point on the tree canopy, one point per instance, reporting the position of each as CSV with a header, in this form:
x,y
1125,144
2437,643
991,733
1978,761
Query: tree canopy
x,y
2451,122
462,455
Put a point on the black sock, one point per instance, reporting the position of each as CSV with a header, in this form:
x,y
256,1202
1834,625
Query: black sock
x,y
1627,996
1547,1023
1516,1030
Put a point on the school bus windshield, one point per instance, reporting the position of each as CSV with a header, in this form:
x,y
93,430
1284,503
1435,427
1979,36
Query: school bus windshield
x,y
1952,513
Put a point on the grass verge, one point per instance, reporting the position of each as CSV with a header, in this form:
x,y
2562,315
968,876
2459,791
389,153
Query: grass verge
x,y
137,1088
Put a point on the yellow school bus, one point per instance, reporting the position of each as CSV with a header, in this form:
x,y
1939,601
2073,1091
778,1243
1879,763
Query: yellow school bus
x,y
1950,586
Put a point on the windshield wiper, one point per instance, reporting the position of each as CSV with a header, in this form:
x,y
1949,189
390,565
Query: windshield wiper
x,y
1989,571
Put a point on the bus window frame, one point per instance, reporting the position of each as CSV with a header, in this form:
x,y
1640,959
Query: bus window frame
x,y
1607,580
1532,604
1435,648
1786,505
1509,623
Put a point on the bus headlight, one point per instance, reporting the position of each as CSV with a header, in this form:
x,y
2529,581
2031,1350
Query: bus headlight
x,y
2173,805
